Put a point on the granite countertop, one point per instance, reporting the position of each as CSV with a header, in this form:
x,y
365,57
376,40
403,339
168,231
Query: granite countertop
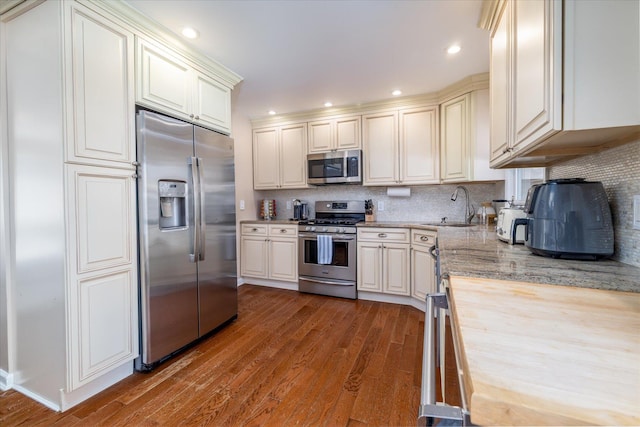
x,y
269,221
476,252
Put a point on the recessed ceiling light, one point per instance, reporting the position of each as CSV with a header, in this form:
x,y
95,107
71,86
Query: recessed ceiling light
x,y
454,49
189,33
396,92
328,104
272,113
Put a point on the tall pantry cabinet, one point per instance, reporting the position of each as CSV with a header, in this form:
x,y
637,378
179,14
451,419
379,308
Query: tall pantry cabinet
x,y
70,139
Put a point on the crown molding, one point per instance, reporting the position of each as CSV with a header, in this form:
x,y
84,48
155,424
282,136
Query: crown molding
x,y
148,28
489,13
466,85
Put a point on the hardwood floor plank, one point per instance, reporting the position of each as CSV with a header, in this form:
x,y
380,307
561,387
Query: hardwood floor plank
x,y
289,359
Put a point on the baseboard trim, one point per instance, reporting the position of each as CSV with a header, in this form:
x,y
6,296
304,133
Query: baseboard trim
x,y
6,380
71,399
49,404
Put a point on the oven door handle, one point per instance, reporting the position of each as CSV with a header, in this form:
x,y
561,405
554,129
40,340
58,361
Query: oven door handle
x,y
327,281
341,238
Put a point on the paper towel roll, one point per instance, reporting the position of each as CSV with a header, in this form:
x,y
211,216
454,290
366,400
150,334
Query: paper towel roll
x,y
398,191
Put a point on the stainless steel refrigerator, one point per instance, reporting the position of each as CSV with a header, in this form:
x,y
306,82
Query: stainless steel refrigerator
x,y
187,234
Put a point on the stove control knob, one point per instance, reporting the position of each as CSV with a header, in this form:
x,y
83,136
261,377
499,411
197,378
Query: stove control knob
x,y
307,228
313,229
324,229
340,229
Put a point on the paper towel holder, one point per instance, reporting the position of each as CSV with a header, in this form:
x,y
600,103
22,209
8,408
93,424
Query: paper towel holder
x,y
399,191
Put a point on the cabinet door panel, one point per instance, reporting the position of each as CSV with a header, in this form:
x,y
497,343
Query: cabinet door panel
x,y
537,71
102,79
284,259
107,324
380,132
369,267
266,159
102,206
456,138
419,161
320,137
253,257
499,84
293,156
395,269
348,133
422,273
164,81
212,103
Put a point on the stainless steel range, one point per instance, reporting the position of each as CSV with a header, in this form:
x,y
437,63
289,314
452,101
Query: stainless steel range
x,y
327,249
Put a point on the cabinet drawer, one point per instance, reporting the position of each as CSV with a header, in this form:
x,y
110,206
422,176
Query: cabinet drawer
x,y
421,237
283,230
396,235
254,229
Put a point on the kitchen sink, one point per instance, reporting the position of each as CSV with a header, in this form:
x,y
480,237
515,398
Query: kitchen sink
x,y
448,224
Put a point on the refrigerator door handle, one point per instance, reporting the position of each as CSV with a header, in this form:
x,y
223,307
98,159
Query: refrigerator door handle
x,y
202,222
195,235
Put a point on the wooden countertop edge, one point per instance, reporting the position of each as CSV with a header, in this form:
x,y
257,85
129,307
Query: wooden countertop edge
x,y
485,405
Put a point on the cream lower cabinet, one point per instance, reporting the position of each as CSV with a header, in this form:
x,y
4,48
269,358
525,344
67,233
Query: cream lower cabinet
x,y
423,279
400,147
383,260
269,251
280,157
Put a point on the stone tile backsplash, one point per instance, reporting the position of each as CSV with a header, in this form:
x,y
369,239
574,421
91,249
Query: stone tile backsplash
x,y
619,170
427,203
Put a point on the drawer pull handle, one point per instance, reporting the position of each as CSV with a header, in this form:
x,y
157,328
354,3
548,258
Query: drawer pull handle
x,y
424,238
382,234
283,230
254,229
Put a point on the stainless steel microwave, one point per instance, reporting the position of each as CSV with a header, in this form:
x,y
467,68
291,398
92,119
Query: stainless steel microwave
x,y
336,167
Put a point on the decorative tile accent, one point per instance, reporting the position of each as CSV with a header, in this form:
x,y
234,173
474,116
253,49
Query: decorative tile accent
x,y
619,171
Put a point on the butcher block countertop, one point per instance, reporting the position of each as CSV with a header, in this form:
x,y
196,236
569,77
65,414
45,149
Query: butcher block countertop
x,y
538,354
542,341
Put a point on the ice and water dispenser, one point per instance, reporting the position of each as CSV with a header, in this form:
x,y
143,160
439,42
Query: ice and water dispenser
x,y
173,204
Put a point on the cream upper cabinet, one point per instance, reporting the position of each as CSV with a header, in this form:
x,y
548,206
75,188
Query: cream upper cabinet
x,y
167,82
101,60
418,143
280,157
456,139
380,148
559,86
464,139
383,260
341,133
401,147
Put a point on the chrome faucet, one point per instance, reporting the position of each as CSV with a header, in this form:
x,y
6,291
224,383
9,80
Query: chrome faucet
x,y
469,211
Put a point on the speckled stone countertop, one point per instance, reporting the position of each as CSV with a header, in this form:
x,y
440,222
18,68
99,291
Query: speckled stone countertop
x,y
269,221
476,252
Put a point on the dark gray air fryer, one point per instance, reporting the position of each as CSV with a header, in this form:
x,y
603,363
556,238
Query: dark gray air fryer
x,y
568,218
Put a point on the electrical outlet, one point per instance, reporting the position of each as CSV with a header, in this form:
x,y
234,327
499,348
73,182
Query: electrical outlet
x,y
241,205
380,206
636,212
288,205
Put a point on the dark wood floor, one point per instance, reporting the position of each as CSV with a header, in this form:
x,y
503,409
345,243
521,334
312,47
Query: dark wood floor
x,y
289,359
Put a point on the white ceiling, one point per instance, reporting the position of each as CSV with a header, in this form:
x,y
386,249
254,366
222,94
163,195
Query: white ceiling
x,y
295,55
